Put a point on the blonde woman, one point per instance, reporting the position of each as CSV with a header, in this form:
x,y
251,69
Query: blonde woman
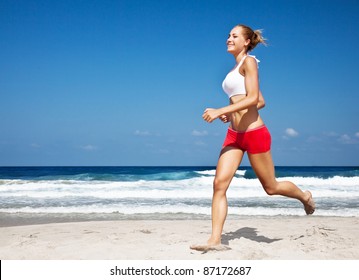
x,y
246,133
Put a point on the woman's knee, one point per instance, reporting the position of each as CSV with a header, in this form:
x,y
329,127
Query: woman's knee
x,y
270,188
220,184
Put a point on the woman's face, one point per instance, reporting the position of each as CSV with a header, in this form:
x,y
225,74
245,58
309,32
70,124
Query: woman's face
x,y
236,42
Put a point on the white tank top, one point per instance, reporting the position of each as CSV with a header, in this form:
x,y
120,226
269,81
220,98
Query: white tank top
x,y
234,84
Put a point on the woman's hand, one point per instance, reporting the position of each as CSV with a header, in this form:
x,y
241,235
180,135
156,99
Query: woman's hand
x,y
224,118
210,114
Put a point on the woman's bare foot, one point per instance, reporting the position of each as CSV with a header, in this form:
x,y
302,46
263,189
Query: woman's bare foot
x,y
208,247
309,205
213,244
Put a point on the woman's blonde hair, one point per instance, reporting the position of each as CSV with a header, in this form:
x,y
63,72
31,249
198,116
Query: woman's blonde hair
x,y
255,36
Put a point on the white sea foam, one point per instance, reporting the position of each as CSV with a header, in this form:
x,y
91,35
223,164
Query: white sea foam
x,y
335,196
180,209
195,187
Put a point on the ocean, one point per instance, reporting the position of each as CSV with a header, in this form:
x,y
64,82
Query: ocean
x,y
167,192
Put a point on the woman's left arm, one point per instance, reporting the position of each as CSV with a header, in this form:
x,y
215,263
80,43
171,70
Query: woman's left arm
x,y
261,102
252,89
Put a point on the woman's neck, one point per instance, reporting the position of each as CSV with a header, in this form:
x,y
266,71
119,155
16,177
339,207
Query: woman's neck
x,y
239,56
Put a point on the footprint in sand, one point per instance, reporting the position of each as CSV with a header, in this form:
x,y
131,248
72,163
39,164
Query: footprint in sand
x,y
145,231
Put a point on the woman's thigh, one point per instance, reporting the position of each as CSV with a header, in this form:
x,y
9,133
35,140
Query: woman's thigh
x,y
228,163
263,167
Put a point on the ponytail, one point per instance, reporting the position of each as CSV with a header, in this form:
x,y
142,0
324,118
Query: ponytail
x,y
255,36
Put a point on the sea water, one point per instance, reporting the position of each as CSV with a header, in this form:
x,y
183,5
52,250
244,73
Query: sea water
x,y
169,192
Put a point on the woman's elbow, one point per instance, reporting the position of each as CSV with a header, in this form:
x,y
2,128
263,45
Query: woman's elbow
x,y
261,103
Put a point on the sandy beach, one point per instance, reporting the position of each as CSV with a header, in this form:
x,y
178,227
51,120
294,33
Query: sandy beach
x,y
250,238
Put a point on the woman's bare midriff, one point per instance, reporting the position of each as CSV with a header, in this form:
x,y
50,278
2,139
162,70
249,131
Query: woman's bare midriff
x,y
245,119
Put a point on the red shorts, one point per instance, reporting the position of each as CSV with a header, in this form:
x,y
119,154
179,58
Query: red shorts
x,y
254,141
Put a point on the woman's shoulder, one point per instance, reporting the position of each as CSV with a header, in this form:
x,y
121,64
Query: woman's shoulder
x,y
250,62
251,59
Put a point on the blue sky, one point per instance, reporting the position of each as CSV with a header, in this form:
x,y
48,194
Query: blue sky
x,y
126,82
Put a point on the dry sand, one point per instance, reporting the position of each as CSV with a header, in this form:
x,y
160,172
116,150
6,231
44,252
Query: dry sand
x,y
250,238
